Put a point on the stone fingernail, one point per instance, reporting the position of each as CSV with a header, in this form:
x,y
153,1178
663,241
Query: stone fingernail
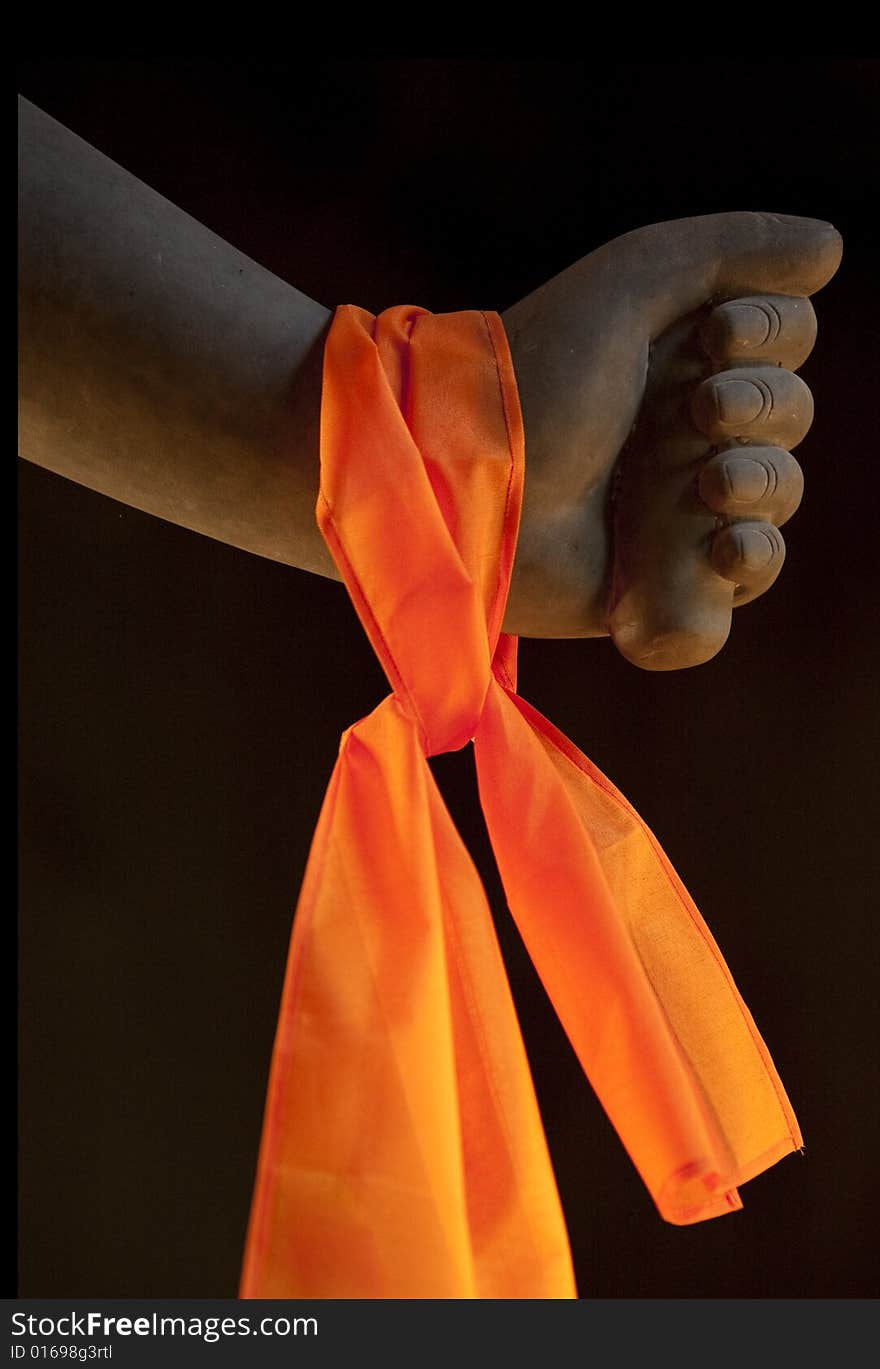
x,y
756,550
746,324
738,401
747,480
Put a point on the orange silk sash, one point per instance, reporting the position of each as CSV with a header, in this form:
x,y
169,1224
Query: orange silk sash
x,y
403,1154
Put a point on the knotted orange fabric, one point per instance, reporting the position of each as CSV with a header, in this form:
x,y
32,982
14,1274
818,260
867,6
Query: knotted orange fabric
x,y
403,1153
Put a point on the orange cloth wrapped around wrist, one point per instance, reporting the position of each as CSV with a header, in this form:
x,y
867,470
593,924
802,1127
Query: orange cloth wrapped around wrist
x,y
403,1154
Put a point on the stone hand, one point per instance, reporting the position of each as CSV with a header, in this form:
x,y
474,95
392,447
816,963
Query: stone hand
x,y
656,378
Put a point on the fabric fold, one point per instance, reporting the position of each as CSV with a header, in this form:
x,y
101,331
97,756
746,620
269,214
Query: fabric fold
x,y
636,977
403,1153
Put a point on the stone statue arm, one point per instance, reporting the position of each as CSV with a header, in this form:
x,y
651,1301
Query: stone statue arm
x,y
158,364
165,369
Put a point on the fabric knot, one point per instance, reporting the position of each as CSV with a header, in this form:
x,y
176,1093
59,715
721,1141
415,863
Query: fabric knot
x,y
398,497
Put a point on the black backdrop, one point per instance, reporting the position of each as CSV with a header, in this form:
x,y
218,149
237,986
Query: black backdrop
x,y
181,701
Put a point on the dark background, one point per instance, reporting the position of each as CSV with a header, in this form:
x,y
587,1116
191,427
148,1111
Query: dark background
x,y
181,701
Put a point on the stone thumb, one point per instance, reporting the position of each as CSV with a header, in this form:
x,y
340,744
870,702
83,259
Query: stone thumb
x,y
683,263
